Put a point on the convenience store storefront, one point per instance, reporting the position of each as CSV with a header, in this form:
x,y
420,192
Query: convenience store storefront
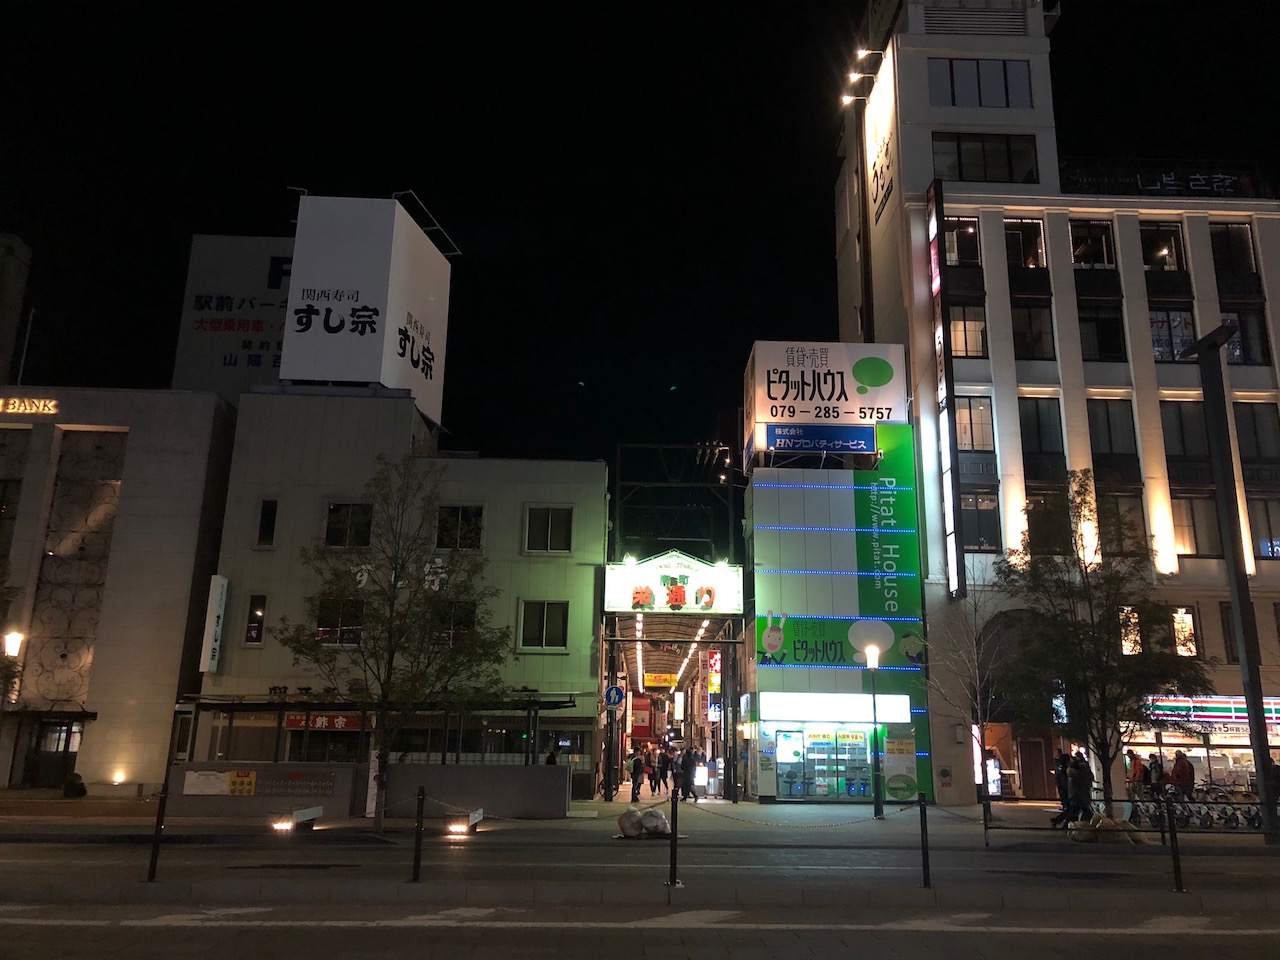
x,y
1221,750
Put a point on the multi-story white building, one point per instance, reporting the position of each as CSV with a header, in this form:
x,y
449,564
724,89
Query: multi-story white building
x,y
1063,296
301,460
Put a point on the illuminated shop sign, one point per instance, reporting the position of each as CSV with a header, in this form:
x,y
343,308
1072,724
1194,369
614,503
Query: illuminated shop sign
x,y
673,582
778,706
1211,709
820,397
39,405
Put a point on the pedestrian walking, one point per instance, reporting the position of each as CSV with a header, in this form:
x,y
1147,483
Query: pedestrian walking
x,y
688,766
637,774
1137,780
1079,789
1183,775
1060,768
651,769
664,767
677,775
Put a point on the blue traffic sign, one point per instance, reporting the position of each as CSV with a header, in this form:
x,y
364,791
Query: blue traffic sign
x,y
613,696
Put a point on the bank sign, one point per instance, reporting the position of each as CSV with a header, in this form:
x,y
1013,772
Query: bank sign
x,y
865,521
818,397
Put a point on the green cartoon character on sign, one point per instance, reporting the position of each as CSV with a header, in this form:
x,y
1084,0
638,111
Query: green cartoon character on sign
x,y
772,641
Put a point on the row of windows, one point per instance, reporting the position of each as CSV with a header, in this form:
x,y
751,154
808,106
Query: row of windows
x,y
458,527
1184,631
985,158
544,624
979,83
1111,428
1102,334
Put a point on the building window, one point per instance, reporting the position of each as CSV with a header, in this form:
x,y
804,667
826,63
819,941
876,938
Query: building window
x,y
975,430
1172,331
980,522
267,523
1264,524
339,621
349,525
9,493
1177,632
1032,333
257,618
1195,527
459,527
1041,424
459,619
960,238
1232,248
548,529
544,625
1111,426
1092,246
979,83
1250,345
1185,433
1024,243
1229,641
968,331
1162,246
985,157
1048,524
1130,632
1102,335
1258,431
1122,528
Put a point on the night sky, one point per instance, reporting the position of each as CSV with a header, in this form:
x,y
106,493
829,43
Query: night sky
x,y
638,192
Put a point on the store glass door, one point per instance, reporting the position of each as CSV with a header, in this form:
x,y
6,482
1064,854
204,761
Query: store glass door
x,y
790,764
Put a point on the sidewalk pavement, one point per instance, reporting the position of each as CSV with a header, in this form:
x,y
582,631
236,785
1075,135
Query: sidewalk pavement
x,y
1019,829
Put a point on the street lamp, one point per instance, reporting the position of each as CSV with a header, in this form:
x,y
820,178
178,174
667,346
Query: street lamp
x,y
12,647
877,788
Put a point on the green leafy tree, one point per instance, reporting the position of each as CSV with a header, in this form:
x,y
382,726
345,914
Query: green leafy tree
x,y
399,625
1095,633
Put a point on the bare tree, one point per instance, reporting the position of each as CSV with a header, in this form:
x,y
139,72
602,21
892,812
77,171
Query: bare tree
x,y
964,664
399,622
1098,639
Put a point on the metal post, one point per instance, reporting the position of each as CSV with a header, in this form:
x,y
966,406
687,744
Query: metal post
x,y
417,835
672,879
924,838
611,730
877,787
986,818
1173,845
1208,350
164,800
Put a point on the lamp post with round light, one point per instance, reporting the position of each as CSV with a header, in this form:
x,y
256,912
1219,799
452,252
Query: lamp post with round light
x,y
12,647
877,785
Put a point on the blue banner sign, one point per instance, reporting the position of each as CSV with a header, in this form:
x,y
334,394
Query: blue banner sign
x,y
820,438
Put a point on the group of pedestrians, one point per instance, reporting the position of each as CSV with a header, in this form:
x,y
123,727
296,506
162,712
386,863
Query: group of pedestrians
x,y
655,764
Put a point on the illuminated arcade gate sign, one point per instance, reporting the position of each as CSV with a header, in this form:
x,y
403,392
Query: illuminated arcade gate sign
x,y
673,582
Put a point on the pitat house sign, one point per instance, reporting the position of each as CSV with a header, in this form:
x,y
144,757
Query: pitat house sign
x,y
37,405
368,300
820,397
673,582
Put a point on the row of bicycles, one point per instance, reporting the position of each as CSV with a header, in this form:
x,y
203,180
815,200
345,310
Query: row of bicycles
x,y
1209,807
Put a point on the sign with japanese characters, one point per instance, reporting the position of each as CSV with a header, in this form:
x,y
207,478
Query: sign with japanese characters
x,y
822,397
369,300
233,314
673,582
299,720
211,648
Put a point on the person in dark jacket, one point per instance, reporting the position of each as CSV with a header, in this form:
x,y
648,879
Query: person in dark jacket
x,y
1080,789
664,767
637,774
688,766
1060,768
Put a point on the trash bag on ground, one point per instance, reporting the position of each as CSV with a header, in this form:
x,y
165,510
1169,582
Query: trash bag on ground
x,y
1135,836
629,823
1082,831
654,821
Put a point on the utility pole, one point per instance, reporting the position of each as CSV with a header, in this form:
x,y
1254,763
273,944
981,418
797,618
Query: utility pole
x,y
1208,351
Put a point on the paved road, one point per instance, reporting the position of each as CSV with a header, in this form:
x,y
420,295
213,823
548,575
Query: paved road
x,y
335,933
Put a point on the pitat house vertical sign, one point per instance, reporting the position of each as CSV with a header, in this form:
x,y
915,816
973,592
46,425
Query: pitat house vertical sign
x,y
368,300
215,614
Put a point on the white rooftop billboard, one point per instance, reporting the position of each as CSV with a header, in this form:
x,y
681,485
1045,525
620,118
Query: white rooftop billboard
x,y
369,300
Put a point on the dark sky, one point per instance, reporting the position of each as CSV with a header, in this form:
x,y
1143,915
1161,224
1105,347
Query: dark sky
x,y
638,192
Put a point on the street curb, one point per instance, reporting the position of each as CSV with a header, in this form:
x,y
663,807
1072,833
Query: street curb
x,y
850,897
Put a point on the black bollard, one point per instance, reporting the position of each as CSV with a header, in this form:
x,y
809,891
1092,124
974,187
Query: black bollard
x,y
1173,846
673,880
417,835
155,838
986,823
924,840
